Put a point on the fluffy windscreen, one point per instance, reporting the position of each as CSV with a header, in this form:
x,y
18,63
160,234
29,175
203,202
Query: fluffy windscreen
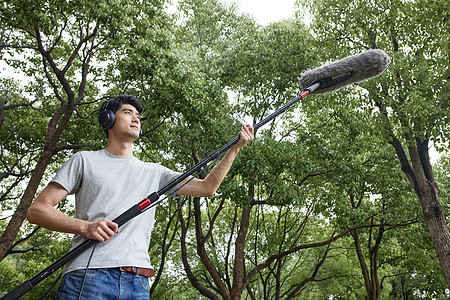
x,y
349,70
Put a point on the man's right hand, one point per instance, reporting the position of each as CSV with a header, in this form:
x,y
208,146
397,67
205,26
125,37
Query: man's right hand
x,y
101,230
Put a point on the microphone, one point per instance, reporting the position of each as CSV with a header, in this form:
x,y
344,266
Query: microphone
x,y
340,73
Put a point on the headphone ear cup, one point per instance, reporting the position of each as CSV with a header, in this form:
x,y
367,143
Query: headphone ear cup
x,y
107,118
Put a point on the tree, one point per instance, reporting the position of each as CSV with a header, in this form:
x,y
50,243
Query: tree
x,y
364,186
64,51
63,43
255,67
412,97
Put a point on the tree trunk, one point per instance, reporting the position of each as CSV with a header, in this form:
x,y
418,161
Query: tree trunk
x,y
239,261
184,257
373,254
54,132
435,221
420,176
418,171
362,264
370,275
238,272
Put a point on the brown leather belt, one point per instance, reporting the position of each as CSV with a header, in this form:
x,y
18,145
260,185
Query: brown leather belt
x,y
142,271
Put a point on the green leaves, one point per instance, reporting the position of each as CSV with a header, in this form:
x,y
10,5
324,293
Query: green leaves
x,y
317,169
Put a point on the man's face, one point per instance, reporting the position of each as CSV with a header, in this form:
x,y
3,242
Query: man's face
x,y
128,123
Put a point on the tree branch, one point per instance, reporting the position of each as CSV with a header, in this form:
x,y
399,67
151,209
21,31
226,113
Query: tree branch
x,y
11,251
268,261
191,276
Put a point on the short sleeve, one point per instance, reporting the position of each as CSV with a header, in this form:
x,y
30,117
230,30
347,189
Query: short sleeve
x,y
70,175
166,177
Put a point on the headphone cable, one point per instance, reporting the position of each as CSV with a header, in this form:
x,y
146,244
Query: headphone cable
x,y
85,271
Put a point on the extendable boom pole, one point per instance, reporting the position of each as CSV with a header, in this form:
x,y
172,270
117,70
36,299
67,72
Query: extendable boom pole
x,y
150,201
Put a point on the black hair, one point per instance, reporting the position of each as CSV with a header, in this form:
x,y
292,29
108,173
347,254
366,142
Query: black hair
x,y
116,103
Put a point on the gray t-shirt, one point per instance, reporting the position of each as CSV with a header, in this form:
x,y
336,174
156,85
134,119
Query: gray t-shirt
x,y
105,186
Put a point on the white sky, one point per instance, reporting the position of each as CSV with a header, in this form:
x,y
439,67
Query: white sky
x,y
266,11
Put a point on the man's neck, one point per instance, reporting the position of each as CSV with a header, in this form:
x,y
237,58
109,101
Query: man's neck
x,y
119,149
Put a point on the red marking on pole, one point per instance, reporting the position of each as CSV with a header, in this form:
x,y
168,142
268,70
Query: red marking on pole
x,y
144,203
304,94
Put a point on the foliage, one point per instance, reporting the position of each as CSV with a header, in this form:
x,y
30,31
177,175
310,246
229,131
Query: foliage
x,y
202,73
405,107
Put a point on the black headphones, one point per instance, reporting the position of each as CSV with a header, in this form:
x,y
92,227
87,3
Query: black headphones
x,y
107,117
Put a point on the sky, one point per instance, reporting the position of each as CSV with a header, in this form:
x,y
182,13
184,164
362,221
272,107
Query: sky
x,y
266,11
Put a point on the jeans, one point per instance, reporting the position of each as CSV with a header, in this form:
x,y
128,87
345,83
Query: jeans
x,y
103,284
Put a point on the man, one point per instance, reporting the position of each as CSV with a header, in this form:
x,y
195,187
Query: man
x,y
105,184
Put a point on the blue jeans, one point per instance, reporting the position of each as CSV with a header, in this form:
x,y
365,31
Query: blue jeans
x,y
103,284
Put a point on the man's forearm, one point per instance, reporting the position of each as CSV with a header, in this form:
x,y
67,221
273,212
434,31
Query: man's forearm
x,y
47,216
43,213
208,186
218,173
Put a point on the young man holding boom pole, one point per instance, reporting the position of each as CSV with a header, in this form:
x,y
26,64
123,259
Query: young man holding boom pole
x,y
105,183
